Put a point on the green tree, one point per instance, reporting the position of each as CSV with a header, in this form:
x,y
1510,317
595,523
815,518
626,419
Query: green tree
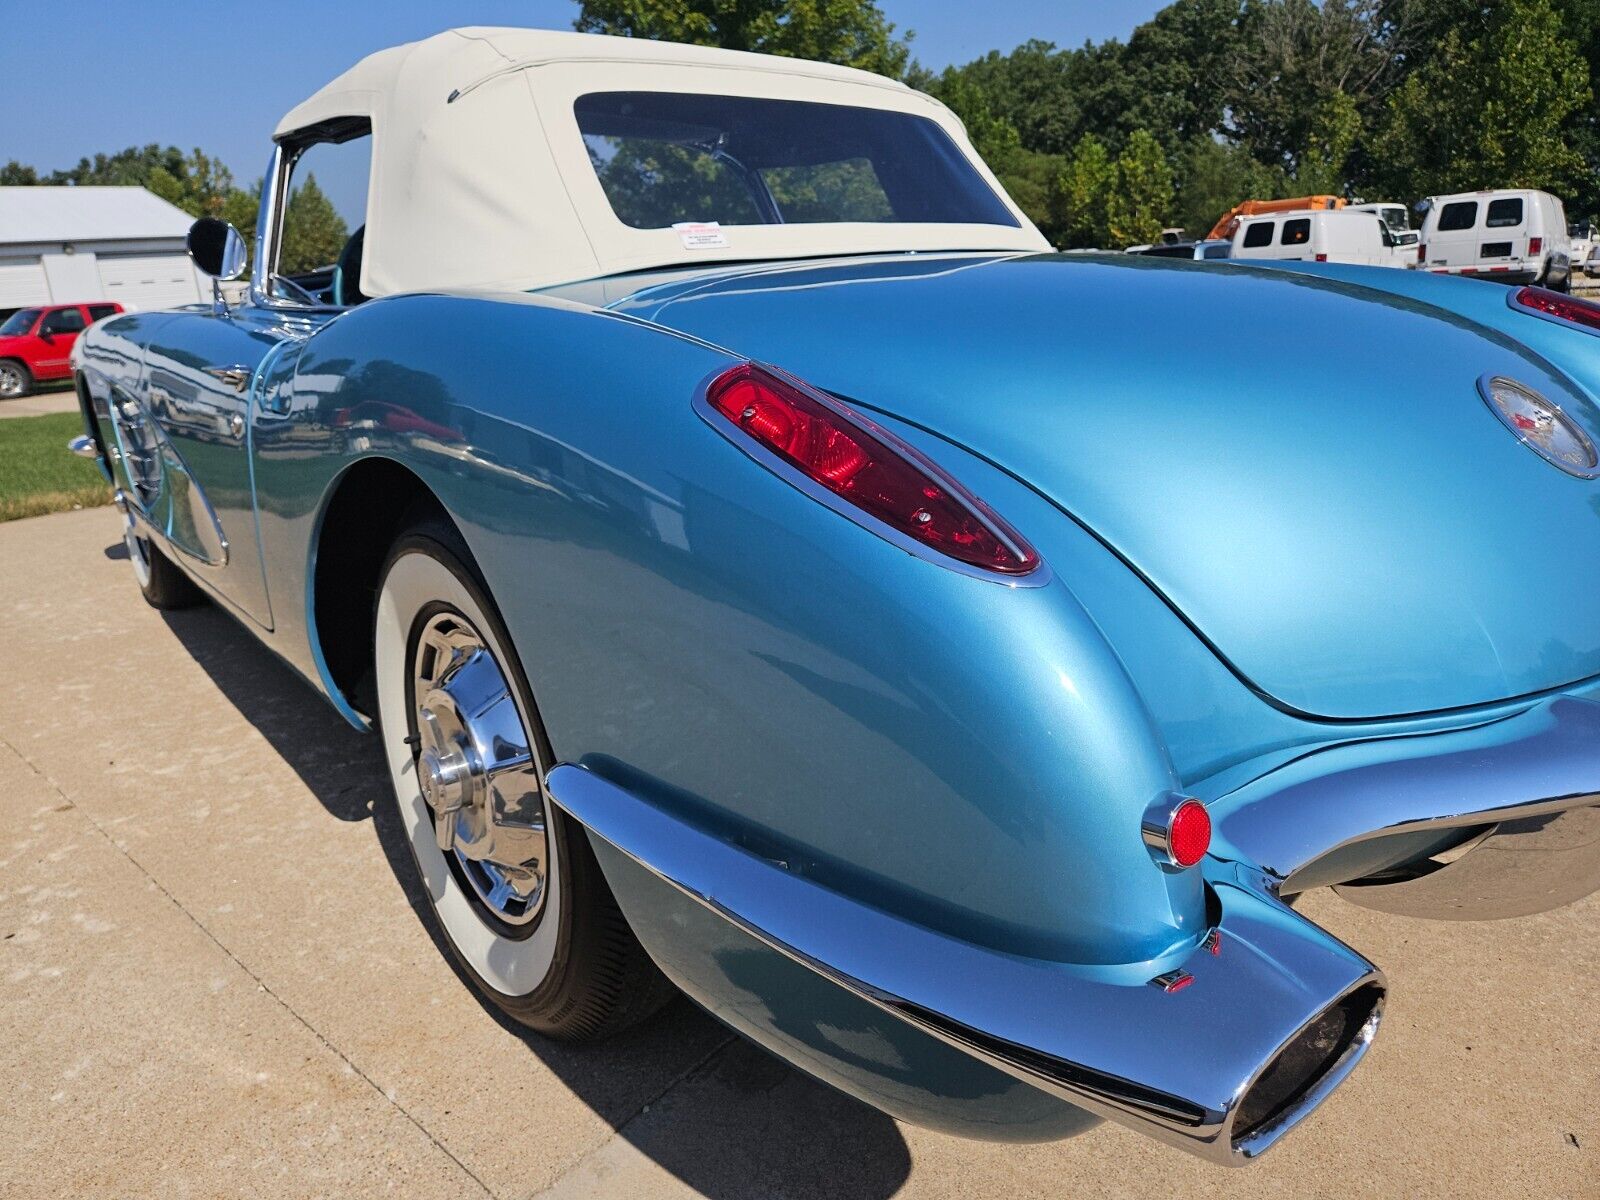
x,y
1321,166
1139,203
1028,176
1216,175
1291,56
1086,186
853,33
1491,110
195,182
1032,90
1170,78
313,231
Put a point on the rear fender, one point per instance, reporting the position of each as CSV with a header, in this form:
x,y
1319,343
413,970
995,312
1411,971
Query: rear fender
x,y
1572,351
967,754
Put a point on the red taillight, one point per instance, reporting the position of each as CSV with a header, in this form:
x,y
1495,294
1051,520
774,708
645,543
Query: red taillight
x,y
1322,258
1559,306
1535,245
868,467
1422,252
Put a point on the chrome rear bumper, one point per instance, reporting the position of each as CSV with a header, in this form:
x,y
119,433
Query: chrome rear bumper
x,y
1273,1014
1512,806
1273,1011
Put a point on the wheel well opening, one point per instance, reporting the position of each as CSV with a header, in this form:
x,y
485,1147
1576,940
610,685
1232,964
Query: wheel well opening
x,y
373,503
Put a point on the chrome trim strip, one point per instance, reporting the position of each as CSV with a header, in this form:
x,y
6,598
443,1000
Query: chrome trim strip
x,y
1542,761
269,230
236,377
1175,1066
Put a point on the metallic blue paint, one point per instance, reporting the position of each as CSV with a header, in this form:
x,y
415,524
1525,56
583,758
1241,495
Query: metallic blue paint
x,y
1328,503
1260,549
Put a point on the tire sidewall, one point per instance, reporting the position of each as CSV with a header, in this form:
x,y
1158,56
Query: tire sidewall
x,y
25,375
522,974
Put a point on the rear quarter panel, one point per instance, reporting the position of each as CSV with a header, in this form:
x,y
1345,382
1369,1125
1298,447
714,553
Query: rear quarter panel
x,y
967,754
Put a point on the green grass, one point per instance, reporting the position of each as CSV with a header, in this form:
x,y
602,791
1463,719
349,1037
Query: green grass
x,y
37,473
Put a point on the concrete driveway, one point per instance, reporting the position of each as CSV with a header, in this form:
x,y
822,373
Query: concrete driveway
x,y
212,982
52,398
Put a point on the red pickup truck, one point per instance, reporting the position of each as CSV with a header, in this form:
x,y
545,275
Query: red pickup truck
x,y
36,343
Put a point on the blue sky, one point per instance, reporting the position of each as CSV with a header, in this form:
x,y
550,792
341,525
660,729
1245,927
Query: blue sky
x,y
219,75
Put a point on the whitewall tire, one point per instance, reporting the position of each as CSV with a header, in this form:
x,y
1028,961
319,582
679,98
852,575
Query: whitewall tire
x,y
513,884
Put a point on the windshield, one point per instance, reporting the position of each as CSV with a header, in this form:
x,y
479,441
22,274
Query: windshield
x,y
666,159
20,322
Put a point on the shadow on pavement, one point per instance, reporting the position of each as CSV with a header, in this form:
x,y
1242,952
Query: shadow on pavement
x,y
742,1124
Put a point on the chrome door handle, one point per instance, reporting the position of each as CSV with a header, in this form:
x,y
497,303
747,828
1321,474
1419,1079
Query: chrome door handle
x,y
238,378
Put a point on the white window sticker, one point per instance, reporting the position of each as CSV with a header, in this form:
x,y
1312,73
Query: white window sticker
x,y
701,235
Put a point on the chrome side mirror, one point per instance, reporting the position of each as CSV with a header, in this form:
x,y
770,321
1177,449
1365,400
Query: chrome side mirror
x,y
217,249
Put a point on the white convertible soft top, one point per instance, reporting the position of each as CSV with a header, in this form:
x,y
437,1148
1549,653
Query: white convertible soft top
x,y
481,179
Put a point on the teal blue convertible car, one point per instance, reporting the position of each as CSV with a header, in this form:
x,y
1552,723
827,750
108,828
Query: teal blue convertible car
x,y
771,573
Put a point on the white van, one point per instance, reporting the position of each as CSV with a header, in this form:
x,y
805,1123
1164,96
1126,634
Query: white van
x,y
1398,218
1338,236
1511,236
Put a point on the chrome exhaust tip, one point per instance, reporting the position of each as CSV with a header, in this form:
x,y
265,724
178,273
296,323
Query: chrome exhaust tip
x,y
1302,1074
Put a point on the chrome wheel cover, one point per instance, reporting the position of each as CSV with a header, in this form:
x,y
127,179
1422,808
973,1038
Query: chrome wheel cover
x,y
476,769
10,381
138,551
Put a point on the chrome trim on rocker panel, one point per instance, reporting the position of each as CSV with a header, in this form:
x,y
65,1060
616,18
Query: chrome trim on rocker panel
x,y
1173,1065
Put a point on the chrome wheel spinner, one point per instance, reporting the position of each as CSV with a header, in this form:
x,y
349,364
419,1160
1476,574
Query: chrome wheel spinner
x,y
477,771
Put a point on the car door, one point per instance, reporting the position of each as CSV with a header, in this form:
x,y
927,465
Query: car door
x,y
199,367
58,333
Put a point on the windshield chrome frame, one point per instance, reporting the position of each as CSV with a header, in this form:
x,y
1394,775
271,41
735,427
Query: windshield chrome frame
x,y
269,232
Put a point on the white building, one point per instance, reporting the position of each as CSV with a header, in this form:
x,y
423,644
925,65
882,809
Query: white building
x,y
59,245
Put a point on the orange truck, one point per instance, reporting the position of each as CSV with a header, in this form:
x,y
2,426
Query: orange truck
x,y
1229,221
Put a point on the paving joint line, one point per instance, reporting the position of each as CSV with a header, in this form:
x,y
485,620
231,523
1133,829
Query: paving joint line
x,y
237,961
691,1072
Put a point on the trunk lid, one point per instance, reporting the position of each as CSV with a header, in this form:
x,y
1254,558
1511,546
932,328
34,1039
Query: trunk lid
x,y
1303,468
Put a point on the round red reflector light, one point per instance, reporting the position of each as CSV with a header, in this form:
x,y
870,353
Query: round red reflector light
x,y
1189,834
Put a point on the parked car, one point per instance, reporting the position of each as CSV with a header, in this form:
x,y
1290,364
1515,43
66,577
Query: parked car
x,y
36,343
1510,236
1340,235
1192,250
920,648
1591,265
